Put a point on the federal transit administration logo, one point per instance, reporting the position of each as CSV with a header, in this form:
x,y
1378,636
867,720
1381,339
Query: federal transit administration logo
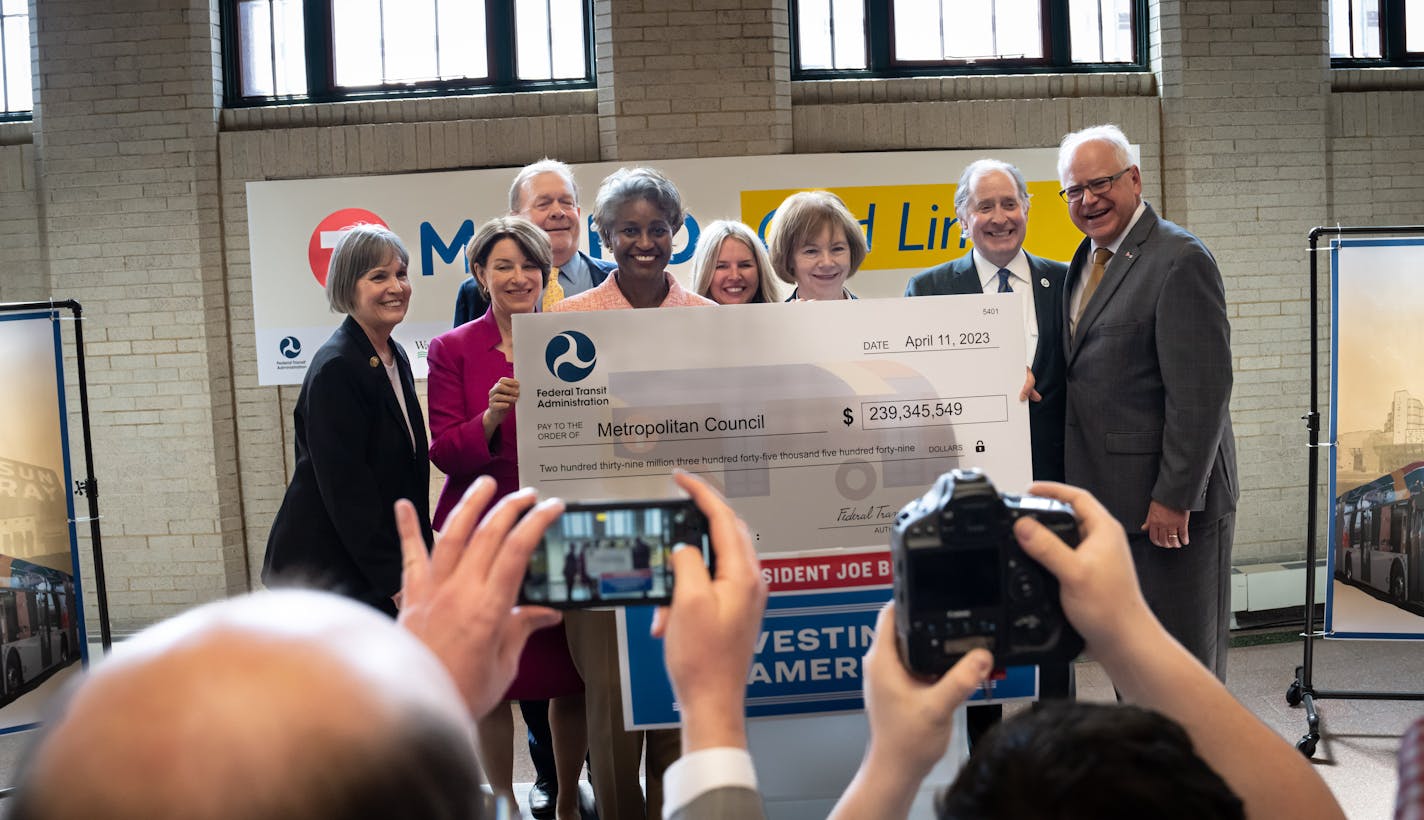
x,y
570,356
291,347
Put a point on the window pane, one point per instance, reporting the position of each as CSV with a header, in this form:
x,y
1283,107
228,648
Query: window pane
x,y
19,95
533,52
848,25
273,51
919,34
1100,31
1414,25
356,34
386,42
570,46
813,33
1355,28
463,50
291,53
254,26
952,30
1366,36
409,41
830,34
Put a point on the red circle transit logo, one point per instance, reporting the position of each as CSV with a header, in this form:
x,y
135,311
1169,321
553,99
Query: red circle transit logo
x,y
323,239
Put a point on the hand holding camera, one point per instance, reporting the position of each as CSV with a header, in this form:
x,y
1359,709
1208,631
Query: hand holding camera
x,y
962,581
1098,585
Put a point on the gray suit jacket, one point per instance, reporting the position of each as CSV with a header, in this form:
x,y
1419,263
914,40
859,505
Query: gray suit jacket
x,y
726,802
1149,379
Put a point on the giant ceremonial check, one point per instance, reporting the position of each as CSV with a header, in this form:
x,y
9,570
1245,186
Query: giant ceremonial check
x,y
817,420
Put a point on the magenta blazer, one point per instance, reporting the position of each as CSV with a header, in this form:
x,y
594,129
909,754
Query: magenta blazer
x,y
464,364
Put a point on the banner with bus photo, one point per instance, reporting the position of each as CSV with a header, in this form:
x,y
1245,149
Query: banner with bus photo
x,y
1376,528
41,628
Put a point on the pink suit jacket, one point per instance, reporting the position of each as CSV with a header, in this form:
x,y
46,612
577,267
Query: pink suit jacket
x,y
464,364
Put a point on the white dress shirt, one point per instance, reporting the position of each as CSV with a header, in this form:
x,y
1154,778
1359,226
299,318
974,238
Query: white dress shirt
x,y
699,772
1023,285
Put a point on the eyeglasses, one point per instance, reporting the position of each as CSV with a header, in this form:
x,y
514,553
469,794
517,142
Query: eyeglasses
x,y
1098,186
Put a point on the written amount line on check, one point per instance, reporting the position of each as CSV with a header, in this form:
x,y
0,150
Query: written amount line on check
x,y
738,462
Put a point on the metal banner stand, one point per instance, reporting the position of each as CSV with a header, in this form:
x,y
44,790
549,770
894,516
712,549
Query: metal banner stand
x,y
1302,689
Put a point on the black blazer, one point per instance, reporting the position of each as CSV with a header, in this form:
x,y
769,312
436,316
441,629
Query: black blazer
x,y
1045,418
336,527
470,304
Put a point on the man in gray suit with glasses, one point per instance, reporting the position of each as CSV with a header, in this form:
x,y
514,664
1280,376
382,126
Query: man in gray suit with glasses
x,y
1148,426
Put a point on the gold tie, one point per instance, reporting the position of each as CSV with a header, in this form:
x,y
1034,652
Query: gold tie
x,y
553,291
1095,278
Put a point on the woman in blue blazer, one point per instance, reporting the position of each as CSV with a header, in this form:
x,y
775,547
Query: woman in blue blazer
x,y
360,435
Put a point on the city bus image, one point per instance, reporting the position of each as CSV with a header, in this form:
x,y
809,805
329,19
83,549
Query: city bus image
x,y
39,625
1379,535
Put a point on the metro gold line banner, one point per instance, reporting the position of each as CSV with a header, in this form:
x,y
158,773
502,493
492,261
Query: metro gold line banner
x,y
914,227
904,200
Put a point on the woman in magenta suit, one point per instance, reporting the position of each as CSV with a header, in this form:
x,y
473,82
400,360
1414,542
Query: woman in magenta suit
x,y
472,392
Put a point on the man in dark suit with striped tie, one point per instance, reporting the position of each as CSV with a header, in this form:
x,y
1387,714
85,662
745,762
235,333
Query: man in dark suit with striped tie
x,y
992,204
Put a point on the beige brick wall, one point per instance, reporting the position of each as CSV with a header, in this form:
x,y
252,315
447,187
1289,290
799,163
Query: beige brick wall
x,y
128,195
1245,94
125,138
679,78
21,249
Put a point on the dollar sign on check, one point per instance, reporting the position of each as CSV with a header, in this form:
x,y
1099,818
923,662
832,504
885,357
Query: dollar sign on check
x,y
848,417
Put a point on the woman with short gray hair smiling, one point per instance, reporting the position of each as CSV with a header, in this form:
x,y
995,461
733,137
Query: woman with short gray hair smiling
x,y
360,435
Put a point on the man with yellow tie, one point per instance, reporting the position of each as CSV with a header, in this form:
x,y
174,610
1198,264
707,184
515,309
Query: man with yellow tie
x,y
546,194
1148,425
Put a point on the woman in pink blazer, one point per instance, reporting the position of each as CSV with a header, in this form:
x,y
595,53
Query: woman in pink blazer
x,y
472,392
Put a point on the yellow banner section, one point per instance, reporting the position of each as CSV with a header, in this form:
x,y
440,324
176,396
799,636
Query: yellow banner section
x,y
914,226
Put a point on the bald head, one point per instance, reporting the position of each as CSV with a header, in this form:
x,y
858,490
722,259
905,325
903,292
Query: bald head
x,y
279,704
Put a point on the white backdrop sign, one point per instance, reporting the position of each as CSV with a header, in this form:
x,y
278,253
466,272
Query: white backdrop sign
x,y
905,202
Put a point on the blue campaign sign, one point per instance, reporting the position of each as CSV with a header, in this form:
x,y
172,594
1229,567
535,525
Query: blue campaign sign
x,y
808,659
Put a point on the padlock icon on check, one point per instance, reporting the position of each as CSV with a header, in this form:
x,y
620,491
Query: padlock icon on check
x,y
979,446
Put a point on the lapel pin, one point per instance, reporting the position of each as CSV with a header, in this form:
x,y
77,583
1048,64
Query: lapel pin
x,y
375,361
1129,254
1043,282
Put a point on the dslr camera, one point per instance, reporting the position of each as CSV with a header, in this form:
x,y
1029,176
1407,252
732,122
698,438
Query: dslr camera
x,y
962,581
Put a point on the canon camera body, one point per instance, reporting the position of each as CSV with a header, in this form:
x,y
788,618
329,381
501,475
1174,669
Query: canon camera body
x,y
962,581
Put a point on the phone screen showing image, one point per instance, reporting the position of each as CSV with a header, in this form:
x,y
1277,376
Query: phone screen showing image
x,y
612,553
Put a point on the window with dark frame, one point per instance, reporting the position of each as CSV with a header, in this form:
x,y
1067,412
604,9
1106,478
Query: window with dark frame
x,y
848,38
318,50
16,76
1367,33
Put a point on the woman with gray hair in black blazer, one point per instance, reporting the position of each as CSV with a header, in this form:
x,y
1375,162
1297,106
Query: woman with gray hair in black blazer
x,y
360,435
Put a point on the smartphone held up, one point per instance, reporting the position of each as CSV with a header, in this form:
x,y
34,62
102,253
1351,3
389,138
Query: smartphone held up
x,y
613,553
